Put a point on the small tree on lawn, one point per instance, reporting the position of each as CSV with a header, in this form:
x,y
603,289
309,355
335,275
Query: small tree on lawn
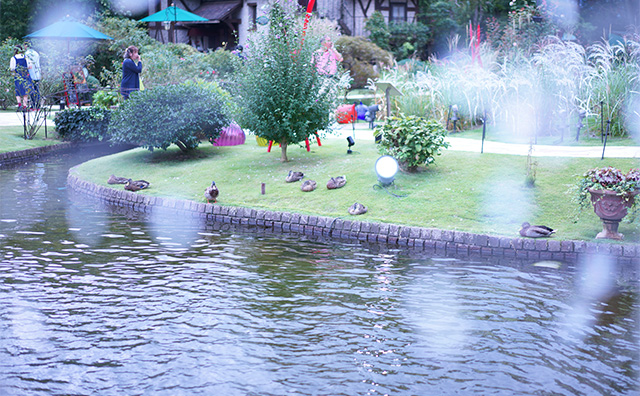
x,y
280,94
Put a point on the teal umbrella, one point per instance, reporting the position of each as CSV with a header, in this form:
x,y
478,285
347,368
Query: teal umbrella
x,y
173,14
69,30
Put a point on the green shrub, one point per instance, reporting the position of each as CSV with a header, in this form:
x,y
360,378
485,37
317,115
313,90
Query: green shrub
x,y
83,124
106,99
219,64
172,114
378,30
364,59
411,140
409,39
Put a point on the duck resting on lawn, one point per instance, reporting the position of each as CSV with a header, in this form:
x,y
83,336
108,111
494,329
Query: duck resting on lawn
x,y
294,176
113,179
336,182
308,185
535,231
135,185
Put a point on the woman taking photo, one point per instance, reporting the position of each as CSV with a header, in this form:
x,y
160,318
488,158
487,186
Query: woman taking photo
x,y
131,69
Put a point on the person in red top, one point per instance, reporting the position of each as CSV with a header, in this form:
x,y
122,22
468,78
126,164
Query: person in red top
x,y
327,58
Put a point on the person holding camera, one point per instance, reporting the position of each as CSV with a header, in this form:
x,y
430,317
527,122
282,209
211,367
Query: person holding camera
x,y
131,69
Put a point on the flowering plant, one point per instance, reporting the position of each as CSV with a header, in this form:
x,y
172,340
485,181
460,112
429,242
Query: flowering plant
x,y
608,179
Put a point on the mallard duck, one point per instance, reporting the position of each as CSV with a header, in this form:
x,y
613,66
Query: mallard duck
x,y
357,209
308,185
535,231
135,185
113,179
294,176
336,182
211,193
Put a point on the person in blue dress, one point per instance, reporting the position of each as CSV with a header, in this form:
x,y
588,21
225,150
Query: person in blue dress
x,y
131,69
21,78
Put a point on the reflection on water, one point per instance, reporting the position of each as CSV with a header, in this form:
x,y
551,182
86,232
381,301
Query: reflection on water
x,y
101,301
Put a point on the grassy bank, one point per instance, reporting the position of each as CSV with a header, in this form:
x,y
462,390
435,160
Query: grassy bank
x,y
11,138
462,191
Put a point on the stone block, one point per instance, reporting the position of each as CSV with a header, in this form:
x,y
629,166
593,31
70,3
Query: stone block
x,y
629,250
546,255
616,250
414,232
554,246
481,240
529,244
425,233
436,234
566,246
541,244
505,243
493,242
579,246
447,236
394,230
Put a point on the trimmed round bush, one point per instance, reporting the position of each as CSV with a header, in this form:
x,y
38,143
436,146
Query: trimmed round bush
x,y
83,124
173,114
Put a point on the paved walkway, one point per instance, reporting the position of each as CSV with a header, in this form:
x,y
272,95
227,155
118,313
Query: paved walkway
x,y
362,132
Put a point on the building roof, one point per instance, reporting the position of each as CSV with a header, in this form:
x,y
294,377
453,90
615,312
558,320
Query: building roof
x,y
217,11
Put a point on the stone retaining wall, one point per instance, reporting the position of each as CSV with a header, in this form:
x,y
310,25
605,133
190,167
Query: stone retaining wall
x,y
431,239
16,156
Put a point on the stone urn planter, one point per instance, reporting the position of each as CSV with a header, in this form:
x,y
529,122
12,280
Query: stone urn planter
x,y
611,208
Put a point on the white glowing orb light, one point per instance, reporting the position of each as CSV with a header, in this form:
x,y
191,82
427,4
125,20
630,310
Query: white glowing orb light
x,y
386,169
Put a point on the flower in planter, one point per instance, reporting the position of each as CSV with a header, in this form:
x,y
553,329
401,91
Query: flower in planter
x,y
611,192
610,178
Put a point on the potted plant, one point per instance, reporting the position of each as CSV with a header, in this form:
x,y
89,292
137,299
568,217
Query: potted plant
x,y
612,193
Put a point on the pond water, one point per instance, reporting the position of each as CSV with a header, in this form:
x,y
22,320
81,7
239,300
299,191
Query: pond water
x,y
96,300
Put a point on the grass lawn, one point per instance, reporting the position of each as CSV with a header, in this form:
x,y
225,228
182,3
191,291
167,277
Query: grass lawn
x,y
481,193
12,139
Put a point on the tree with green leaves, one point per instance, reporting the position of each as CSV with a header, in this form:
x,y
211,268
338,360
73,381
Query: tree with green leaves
x,y
280,94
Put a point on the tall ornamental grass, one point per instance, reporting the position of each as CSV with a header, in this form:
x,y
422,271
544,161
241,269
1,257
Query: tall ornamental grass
x,y
545,93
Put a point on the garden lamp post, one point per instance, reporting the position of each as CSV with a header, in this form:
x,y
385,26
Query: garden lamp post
x,y
350,142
